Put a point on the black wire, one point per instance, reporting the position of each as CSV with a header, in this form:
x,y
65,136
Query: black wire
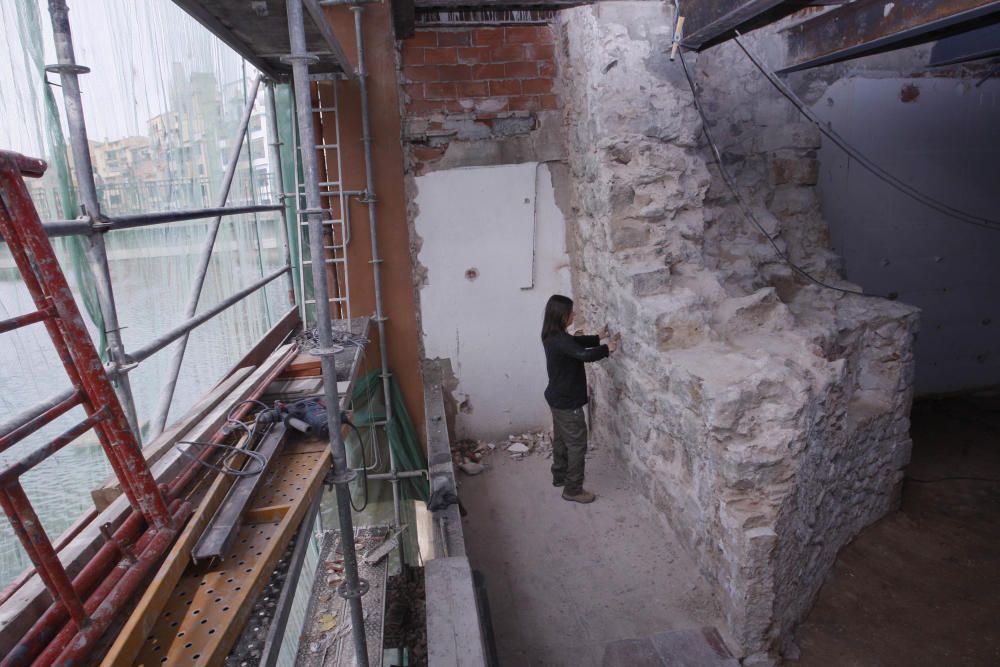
x,y
990,480
225,468
364,468
747,212
864,160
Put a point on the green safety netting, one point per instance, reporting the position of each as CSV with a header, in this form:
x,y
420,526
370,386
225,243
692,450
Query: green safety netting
x,y
369,408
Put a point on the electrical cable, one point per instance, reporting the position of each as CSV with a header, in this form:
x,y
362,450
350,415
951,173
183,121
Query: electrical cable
x,y
867,163
364,468
747,212
990,480
226,468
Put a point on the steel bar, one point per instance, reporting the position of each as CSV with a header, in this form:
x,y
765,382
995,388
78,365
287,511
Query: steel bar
x,y
97,254
56,228
36,260
871,26
283,608
24,320
15,470
36,543
87,583
708,20
279,181
352,589
45,417
79,648
161,341
319,19
159,420
399,474
376,261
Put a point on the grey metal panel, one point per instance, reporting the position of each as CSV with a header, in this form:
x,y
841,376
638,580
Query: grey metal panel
x,y
972,45
262,36
707,20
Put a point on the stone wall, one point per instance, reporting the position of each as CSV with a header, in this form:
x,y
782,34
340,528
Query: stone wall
x,y
765,417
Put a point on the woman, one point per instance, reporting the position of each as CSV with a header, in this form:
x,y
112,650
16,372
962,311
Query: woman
x,y
567,394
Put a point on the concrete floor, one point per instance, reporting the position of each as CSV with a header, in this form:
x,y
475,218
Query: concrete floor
x,y
921,587
565,579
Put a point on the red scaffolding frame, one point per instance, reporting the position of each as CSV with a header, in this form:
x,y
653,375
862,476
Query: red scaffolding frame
x,y
89,602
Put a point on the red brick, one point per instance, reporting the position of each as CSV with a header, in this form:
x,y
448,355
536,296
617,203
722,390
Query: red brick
x,y
473,89
549,102
521,70
546,68
540,51
414,74
453,38
447,55
422,38
529,35
525,103
507,53
422,107
412,55
483,72
505,87
427,153
454,106
474,55
454,73
414,90
536,86
439,91
488,37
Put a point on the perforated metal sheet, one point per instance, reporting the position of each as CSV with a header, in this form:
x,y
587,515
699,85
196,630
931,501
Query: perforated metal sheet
x,y
212,601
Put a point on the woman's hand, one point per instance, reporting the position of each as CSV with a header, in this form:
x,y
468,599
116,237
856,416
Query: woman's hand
x,y
603,333
613,345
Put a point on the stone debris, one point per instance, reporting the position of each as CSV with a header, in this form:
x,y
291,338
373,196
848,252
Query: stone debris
x,y
471,467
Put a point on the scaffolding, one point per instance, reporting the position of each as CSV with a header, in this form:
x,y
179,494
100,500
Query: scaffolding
x,y
285,45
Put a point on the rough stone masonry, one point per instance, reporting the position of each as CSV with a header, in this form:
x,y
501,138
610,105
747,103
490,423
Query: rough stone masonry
x,y
765,417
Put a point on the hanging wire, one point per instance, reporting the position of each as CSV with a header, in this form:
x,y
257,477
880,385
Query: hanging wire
x,y
747,211
226,468
865,161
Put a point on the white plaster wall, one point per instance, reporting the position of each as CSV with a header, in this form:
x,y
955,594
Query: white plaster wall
x,y
503,223
945,142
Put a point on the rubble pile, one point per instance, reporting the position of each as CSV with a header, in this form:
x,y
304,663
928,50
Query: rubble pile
x,y
468,455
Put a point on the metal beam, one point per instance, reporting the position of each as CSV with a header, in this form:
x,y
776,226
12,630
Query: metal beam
x,y
83,226
319,18
707,20
204,16
871,26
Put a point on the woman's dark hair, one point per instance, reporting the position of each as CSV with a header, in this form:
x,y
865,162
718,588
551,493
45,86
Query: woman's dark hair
x,y
557,312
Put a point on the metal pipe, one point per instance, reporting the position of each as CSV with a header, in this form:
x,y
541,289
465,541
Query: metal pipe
x,y
353,587
402,474
56,228
48,415
10,430
279,180
97,254
159,420
161,341
376,261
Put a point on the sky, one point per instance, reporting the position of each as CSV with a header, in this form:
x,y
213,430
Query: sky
x,y
132,47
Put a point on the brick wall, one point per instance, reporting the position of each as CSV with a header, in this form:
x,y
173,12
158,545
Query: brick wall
x,y
475,83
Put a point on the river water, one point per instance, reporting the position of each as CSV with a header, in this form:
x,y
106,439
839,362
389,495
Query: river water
x,y
151,292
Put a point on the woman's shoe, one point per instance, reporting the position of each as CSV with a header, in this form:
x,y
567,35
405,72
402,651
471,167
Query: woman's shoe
x,y
582,496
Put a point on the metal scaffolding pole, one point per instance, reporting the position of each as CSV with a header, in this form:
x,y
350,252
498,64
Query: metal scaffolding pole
x,y
97,254
159,420
353,587
279,181
56,228
380,318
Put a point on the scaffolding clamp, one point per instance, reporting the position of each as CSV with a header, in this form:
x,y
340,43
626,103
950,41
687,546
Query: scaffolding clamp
x,y
347,593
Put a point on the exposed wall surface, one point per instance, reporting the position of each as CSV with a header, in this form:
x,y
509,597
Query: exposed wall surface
x,y
472,84
942,136
766,418
493,252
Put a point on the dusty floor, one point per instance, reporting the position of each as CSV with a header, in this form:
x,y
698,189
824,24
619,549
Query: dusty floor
x,y
565,579
922,586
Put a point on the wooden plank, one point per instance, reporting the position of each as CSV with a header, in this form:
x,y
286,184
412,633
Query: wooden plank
x,y
19,612
154,451
708,20
870,26
147,611
220,531
275,336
